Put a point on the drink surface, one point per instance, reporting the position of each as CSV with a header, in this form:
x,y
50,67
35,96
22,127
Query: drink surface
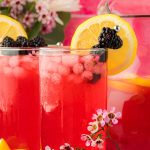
x,y
133,101
69,96
19,102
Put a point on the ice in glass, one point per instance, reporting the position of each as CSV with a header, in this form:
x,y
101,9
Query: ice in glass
x,y
19,98
73,86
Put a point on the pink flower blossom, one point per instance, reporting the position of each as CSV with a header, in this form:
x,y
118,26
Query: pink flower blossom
x,y
112,116
5,3
97,143
40,6
100,116
29,19
48,148
17,5
66,146
48,28
93,127
87,139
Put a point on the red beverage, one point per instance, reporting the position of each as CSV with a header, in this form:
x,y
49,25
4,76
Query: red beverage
x,y
73,87
19,99
133,102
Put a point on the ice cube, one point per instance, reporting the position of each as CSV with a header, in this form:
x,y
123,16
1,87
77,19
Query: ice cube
x,y
56,59
19,72
51,67
56,78
8,71
69,60
14,61
63,70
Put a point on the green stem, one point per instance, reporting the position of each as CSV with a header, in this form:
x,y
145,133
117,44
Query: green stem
x,y
113,141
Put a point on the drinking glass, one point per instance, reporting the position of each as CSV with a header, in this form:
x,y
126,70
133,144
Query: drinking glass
x,y
19,98
73,87
129,91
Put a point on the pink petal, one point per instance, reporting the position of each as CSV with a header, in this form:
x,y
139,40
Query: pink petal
x,y
114,121
118,115
112,109
105,113
99,111
93,144
94,117
89,128
83,137
88,143
107,119
102,123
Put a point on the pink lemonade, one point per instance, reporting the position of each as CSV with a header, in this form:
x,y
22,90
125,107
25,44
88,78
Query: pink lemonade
x,y
73,87
132,100
19,99
129,92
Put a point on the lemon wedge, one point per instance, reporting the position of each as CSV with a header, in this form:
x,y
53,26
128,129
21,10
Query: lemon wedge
x,y
139,81
4,145
10,27
87,35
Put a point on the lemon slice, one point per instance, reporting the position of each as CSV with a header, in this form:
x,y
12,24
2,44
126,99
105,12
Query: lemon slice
x,y
10,27
87,35
4,145
123,86
140,81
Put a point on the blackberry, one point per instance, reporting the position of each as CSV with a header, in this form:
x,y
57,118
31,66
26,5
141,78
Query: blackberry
x,y
109,39
21,41
8,42
37,42
96,77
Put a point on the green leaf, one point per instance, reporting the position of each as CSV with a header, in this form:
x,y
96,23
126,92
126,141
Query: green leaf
x,y
35,30
57,34
5,10
30,6
1,1
65,17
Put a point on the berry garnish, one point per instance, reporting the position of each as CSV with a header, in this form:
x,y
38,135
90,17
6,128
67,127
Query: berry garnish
x,y
96,77
8,42
21,41
37,42
109,39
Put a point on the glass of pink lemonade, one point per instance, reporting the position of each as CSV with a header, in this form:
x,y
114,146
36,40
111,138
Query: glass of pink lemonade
x,y
73,86
129,90
19,98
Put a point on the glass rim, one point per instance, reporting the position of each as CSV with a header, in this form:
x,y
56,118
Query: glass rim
x,y
55,48
18,48
137,15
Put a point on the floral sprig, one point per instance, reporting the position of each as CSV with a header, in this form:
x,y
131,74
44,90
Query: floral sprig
x,y
40,15
98,130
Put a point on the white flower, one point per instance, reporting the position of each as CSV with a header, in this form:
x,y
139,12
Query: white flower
x,y
98,143
87,139
66,146
49,27
101,114
5,3
93,127
48,148
112,116
29,19
44,17
64,5
17,5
